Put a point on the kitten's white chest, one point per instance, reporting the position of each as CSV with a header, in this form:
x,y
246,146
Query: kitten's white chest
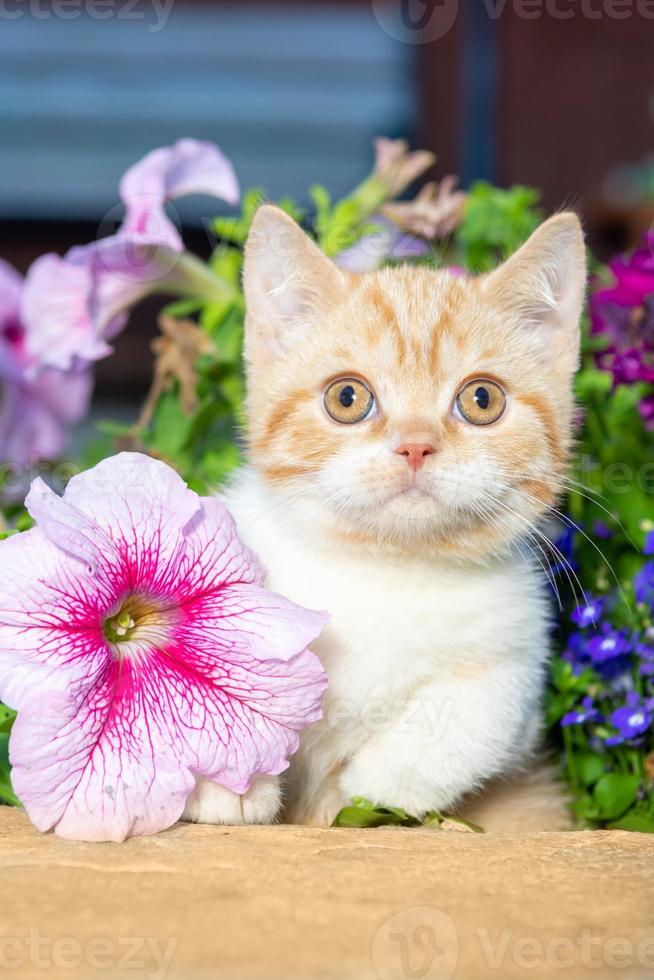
x,y
395,622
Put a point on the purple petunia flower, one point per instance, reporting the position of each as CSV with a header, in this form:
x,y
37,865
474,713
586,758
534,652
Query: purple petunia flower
x,y
168,173
584,713
38,402
588,614
633,719
142,652
90,289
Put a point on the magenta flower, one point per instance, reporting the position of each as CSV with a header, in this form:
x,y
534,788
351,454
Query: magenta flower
x,y
142,652
94,285
39,402
624,314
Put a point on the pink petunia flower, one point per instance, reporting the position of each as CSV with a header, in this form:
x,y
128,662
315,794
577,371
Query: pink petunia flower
x,y
93,285
38,402
171,172
142,652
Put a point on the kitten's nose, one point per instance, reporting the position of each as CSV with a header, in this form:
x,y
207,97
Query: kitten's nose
x,y
415,453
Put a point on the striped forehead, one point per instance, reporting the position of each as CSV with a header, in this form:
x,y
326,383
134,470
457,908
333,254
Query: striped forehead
x,y
410,323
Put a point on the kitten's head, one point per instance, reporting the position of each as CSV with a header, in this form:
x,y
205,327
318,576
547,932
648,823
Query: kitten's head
x,y
409,407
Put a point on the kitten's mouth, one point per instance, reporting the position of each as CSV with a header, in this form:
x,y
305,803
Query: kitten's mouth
x,y
412,491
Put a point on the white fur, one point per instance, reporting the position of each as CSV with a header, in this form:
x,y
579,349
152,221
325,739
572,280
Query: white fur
x,y
435,671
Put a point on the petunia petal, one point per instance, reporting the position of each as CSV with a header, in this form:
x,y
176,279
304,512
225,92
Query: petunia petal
x,y
187,167
93,771
69,528
10,287
143,506
248,617
59,331
121,270
51,611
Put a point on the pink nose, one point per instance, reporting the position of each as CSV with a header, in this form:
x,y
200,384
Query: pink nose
x,y
415,453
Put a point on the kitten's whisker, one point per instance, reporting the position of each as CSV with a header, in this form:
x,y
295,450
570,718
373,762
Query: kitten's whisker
x,y
567,568
569,522
529,542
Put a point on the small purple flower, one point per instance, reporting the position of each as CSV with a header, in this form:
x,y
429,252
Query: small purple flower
x,y
608,645
584,713
649,544
576,652
588,614
646,409
633,719
564,556
386,243
602,530
39,402
644,584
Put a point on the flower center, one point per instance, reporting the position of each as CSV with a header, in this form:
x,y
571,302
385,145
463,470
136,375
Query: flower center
x,y
139,625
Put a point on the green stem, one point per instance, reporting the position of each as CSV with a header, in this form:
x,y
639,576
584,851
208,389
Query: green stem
x,y
569,756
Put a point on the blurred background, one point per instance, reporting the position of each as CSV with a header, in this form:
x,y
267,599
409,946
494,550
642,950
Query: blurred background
x,y
558,94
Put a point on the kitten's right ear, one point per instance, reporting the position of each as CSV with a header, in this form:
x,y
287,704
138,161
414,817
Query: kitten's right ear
x,y
288,282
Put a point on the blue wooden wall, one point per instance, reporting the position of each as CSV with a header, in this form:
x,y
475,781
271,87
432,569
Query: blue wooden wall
x,y
293,96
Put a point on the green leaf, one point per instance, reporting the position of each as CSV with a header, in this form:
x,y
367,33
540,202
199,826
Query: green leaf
x,y
363,813
115,429
171,426
7,717
614,794
589,767
466,824
634,822
7,794
495,223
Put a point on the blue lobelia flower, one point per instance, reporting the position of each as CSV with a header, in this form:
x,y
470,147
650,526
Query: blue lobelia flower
x,y
649,544
632,720
608,645
644,584
588,614
585,712
602,530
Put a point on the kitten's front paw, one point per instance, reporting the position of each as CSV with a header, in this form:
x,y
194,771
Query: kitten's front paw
x,y
211,803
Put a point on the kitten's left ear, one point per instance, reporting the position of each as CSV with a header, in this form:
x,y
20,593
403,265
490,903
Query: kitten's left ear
x,y
542,287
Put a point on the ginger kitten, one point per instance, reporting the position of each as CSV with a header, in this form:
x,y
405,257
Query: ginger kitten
x,y
407,431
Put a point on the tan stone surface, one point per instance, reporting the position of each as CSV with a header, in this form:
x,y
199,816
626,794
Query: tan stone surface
x,y
284,903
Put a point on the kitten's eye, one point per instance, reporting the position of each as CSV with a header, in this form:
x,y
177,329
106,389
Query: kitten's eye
x,y
348,400
481,402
